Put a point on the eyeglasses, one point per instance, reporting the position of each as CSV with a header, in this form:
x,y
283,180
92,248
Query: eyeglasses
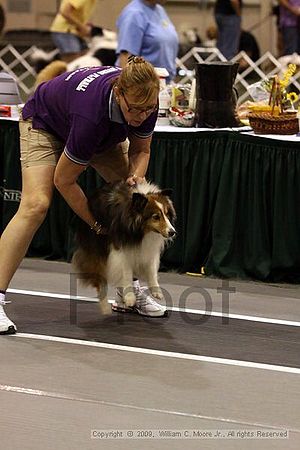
x,y
137,111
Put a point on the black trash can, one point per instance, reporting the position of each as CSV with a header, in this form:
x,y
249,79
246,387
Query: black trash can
x,y
215,96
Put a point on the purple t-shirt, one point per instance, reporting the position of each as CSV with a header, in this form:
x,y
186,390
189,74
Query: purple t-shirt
x,y
286,17
79,108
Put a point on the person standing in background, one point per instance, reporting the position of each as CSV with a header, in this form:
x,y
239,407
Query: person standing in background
x,y
2,19
70,28
289,13
228,20
144,29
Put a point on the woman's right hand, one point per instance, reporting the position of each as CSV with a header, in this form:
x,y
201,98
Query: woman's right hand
x,y
132,180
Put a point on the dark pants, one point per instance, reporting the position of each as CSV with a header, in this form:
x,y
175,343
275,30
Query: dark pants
x,y
291,40
229,32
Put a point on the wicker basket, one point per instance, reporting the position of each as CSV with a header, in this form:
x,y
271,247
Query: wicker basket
x,y
266,123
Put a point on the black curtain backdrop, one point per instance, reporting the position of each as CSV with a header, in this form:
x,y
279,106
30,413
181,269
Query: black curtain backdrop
x,y
236,197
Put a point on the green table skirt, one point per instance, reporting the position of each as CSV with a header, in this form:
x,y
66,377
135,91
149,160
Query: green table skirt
x,y
236,197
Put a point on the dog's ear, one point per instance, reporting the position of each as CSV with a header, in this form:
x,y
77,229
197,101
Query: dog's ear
x,y
139,201
167,192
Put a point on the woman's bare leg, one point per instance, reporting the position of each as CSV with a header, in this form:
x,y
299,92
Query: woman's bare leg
x,y
37,193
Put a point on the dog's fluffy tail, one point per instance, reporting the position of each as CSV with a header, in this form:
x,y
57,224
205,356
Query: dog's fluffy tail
x,y
52,70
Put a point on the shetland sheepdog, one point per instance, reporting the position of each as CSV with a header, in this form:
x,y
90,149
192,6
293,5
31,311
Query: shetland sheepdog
x,y
138,223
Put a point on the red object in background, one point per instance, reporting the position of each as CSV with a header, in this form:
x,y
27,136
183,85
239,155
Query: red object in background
x,y
5,111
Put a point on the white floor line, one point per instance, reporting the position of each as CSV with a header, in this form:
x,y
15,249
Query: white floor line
x,y
147,351
52,295
57,395
290,323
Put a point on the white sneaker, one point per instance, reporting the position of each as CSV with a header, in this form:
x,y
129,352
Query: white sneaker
x,y
145,304
6,325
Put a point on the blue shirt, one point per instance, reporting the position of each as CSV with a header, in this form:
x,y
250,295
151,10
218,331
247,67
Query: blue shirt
x,y
147,31
79,108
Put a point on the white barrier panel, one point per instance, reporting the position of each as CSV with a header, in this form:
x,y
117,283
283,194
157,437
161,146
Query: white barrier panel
x,y
19,65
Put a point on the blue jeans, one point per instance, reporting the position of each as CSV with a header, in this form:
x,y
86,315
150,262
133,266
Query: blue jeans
x,y
68,43
291,40
229,32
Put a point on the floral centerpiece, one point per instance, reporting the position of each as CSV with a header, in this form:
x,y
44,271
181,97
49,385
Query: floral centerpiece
x,y
276,117
287,99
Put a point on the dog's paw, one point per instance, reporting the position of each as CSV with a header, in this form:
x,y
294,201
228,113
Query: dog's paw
x,y
105,308
156,292
129,299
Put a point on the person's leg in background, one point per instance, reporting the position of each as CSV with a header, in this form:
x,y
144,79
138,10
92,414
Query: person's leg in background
x,y
69,46
290,40
229,31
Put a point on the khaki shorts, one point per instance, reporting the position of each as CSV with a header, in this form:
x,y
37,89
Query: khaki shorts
x,y
40,148
37,147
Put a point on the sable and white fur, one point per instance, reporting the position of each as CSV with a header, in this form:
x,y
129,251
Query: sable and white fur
x,y
139,222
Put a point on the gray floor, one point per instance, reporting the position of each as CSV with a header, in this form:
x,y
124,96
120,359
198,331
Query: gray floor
x,y
64,375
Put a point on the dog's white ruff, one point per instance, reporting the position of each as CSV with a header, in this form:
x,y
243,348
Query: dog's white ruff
x,y
140,261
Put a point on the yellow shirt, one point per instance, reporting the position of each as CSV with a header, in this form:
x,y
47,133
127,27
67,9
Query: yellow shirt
x,y
83,10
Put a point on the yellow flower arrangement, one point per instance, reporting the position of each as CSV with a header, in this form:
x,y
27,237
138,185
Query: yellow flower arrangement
x,y
291,97
291,69
276,119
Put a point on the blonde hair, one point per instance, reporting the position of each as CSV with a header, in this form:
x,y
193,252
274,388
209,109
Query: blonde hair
x,y
139,77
